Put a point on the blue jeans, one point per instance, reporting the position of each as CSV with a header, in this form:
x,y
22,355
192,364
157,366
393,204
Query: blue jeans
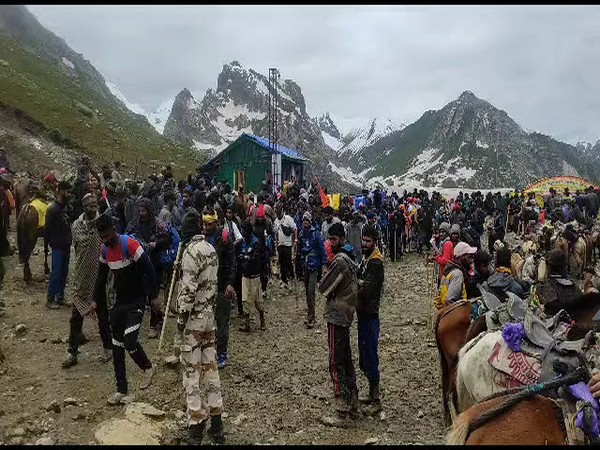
x,y
368,341
58,275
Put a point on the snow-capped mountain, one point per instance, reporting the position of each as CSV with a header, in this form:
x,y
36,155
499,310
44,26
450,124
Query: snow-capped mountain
x,y
157,118
467,143
114,89
239,104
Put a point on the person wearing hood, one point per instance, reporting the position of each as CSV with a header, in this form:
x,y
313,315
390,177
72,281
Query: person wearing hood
x,y
179,211
340,288
310,251
502,281
87,243
453,286
370,287
155,237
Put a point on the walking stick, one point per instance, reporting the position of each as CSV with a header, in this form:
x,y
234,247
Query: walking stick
x,y
294,274
171,289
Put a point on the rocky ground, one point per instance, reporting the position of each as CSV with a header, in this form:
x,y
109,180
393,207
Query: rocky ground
x,y
276,387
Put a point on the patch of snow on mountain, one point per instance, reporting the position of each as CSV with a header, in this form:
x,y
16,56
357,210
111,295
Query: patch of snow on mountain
x,y
332,142
231,111
159,118
117,93
347,175
202,146
67,62
368,135
482,144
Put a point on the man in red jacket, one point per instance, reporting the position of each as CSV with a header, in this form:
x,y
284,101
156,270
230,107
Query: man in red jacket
x,y
445,252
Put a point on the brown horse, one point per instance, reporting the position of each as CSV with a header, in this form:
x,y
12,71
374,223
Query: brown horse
x,y
28,232
513,427
451,325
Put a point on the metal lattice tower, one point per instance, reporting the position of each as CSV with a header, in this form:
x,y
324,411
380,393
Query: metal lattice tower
x,y
273,131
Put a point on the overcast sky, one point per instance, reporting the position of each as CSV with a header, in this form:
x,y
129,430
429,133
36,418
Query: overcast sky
x,y
538,63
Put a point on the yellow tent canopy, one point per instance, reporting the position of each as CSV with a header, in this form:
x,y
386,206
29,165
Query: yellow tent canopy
x,y
559,184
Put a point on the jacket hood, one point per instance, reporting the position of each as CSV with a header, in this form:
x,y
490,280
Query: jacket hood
x,y
500,281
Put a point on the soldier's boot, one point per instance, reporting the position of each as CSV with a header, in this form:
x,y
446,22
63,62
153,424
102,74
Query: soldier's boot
x,y
215,431
194,434
246,324
262,320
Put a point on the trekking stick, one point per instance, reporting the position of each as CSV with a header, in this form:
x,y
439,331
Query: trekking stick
x,y
171,289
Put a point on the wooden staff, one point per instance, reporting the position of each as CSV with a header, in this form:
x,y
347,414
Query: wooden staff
x,y
171,289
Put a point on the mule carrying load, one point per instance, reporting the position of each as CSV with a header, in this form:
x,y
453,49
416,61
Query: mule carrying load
x,y
522,366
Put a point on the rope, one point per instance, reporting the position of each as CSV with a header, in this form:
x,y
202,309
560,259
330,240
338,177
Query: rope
x,y
525,393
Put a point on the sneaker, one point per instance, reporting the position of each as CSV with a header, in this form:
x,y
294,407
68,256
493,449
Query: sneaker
x,y
119,398
215,432
153,333
69,361
106,355
310,325
52,305
221,361
341,420
148,374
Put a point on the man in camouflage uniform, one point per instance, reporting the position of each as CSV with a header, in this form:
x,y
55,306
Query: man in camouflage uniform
x,y
195,335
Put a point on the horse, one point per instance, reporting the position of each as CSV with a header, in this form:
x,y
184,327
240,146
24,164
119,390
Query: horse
x,y
477,379
581,313
28,232
451,325
21,189
512,427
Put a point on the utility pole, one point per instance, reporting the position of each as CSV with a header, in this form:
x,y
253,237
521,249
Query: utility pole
x,y
273,130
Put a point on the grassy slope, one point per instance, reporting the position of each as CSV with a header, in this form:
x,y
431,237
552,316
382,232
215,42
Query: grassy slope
x,y
59,101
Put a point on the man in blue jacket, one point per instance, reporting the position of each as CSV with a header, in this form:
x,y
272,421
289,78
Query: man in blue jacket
x,y
311,251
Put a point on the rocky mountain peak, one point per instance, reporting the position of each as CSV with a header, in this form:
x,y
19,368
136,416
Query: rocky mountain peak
x,y
327,125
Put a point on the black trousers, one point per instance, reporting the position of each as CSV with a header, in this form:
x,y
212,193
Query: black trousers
x,y
126,321
76,327
285,262
341,367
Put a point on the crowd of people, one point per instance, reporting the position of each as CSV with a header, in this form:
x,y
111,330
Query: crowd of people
x,y
129,237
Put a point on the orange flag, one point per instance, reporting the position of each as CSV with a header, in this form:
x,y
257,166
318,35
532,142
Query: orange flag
x,y
324,197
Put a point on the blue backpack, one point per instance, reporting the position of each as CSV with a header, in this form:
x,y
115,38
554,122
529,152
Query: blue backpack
x,y
168,256
123,239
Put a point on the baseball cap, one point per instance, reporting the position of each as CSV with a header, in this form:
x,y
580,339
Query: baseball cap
x,y
462,248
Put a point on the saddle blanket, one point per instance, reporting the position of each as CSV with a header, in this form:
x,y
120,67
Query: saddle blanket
x,y
514,369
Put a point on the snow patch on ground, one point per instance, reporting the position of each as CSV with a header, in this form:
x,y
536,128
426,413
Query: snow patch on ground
x,y
67,62
482,144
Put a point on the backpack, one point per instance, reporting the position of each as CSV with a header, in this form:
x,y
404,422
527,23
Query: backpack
x,y
123,239
168,256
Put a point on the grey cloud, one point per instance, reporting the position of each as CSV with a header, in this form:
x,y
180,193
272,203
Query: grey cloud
x,y
538,63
